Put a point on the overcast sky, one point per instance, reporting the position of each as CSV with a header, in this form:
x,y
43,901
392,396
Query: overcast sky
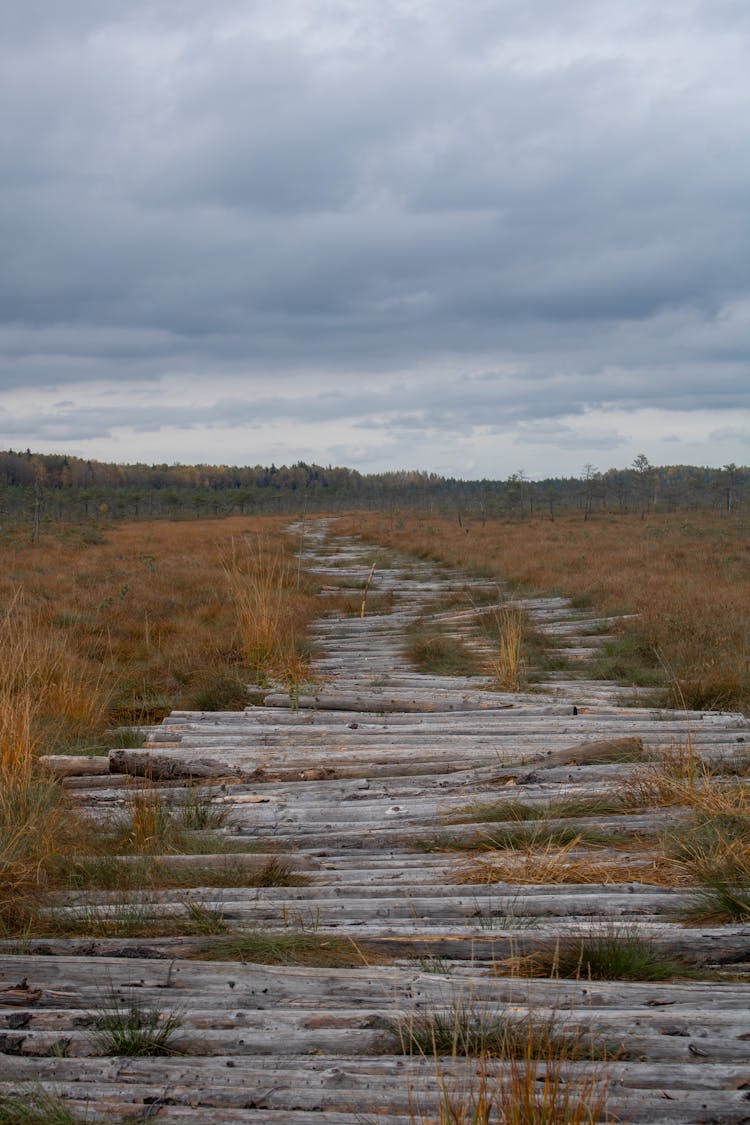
x,y
458,235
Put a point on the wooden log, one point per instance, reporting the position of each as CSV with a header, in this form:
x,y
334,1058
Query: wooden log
x,y
74,765
379,705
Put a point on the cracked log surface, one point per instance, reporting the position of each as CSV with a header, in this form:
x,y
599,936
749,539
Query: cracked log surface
x,y
352,784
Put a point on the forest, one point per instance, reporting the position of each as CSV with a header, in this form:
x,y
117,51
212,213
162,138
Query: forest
x,y
37,489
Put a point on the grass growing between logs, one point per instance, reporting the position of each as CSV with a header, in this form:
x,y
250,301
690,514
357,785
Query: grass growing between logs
x,y
518,810
507,667
131,1029
526,1091
157,873
610,951
133,854
522,837
560,865
293,947
435,652
37,1106
467,1030
714,852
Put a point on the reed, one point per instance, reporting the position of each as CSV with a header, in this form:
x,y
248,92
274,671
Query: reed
x,y
518,1070
506,665
272,607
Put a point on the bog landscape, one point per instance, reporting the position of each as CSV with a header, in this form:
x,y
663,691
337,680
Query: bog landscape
x,y
336,799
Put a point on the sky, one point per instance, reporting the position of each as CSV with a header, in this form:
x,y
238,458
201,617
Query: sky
x,y
464,236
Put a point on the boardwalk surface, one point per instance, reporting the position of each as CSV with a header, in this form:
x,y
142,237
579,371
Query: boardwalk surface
x,y
359,785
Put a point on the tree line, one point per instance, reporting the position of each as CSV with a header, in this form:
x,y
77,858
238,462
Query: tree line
x,y
39,488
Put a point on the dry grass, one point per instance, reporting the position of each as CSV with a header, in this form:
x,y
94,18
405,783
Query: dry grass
x,y
677,775
34,824
686,578
100,631
712,851
506,664
565,864
518,1068
149,617
526,1091
272,607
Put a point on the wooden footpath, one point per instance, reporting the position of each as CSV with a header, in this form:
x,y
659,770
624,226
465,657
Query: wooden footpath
x,y
359,784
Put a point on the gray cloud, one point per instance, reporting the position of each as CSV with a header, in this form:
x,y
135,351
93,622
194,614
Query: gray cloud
x,y
393,215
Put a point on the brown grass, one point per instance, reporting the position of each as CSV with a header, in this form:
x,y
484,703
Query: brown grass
x,y
527,1091
556,864
156,616
678,776
519,1069
687,579
272,606
100,631
506,664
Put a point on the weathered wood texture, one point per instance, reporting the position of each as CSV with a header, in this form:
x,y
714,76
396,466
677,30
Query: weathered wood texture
x,y
350,783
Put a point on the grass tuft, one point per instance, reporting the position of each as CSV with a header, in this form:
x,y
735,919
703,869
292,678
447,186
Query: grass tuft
x,y
714,852
133,1030
506,665
607,952
465,1030
517,810
524,1091
37,1107
522,837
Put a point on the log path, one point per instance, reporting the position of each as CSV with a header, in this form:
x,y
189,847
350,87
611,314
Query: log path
x,y
355,784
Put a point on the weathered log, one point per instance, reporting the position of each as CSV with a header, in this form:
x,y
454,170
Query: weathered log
x,y
380,706
74,765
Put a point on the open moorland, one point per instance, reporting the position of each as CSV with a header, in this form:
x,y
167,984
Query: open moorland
x,y
376,818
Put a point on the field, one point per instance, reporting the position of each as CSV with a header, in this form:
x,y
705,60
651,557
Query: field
x,y
118,627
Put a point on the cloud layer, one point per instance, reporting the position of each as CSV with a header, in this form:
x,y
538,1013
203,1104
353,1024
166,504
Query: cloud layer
x,y
376,230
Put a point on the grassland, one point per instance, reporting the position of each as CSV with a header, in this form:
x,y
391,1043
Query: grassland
x,y
122,627
101,631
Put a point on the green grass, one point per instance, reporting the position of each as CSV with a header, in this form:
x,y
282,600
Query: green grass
x,y
522,837
129,915
520,811
197,813
37,1107
112,873
100,744
220,689
204,919
435,653
133,1030
297,947
723,897
609,953
151,824
630,660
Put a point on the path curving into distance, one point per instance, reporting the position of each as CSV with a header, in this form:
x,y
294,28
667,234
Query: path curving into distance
x,y
358,786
